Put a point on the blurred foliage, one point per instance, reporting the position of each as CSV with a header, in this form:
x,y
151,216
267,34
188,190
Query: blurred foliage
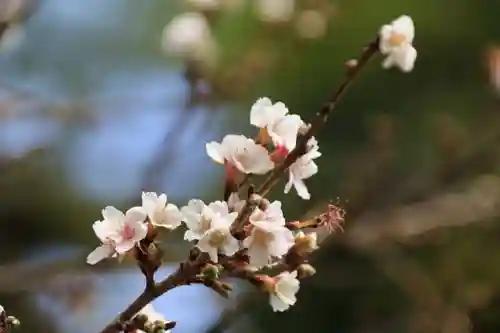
x,y
396,140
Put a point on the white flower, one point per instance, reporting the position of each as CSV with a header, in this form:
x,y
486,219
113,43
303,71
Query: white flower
x,y
242,153
395,41
268,237
198,217
219,238
186,35
118,232
281,127
284,291
160,213
152,315
303,168
275,10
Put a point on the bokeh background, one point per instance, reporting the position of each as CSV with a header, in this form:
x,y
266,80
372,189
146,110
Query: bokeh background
x,y
93,111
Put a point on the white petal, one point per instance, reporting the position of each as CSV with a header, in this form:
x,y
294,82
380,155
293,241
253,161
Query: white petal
x,y
149,201
140,230
135,214
407,59
190,235
220,207
173,217
258,112
112,214
277,304
231,246
259,256
204,246
215,151
404,25
125,246
384,35
388,62
301,189
102,230
102,252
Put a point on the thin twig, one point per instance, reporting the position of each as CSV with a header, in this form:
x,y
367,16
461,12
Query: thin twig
x,y
321,118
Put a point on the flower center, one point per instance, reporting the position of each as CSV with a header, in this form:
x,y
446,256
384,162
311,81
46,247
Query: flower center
x,y
397,39
217,238
128,232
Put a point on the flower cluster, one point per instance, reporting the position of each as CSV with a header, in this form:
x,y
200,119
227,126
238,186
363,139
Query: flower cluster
x,y
266,236
244,233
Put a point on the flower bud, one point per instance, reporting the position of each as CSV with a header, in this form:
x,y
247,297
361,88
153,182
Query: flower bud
x,y
306,270
306,243
211,272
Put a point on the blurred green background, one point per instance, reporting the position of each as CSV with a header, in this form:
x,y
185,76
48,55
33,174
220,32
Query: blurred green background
x,y
92,112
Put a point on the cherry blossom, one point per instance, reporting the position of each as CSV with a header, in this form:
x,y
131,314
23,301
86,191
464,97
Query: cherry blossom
x,y
118,232
219,238
285,287
268,236
241,153
395,41
275,123
160,213
198,217
303,168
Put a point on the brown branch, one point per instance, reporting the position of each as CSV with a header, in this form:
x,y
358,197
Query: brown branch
x,y
354,68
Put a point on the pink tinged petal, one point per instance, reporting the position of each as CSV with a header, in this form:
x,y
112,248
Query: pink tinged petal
x,y
112,214
102,252
125,245
258,112
215,151
139,230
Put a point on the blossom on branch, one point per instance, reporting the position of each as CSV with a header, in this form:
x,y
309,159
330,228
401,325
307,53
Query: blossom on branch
x,y
275,123
199,217
240,153
159,212
268,235
303,168
118,232
283,291
395,41
218,238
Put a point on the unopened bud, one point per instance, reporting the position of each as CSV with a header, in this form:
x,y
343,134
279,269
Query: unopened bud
x,y
306,270
350,64
210,272
306,243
